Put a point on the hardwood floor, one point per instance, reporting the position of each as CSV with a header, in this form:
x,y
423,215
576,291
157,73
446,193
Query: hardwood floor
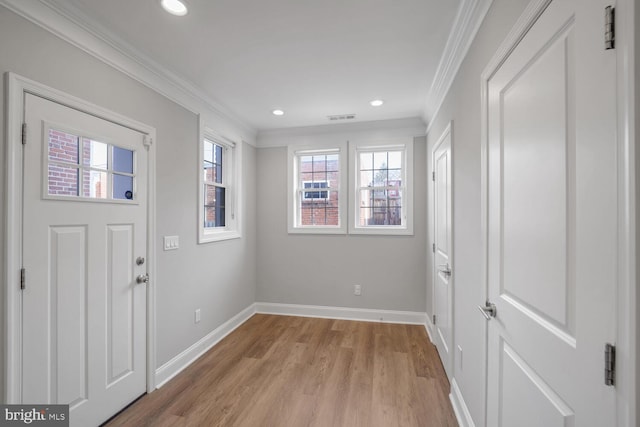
x,y
295,371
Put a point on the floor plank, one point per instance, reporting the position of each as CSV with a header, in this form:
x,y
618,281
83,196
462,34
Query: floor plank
x,y
294,371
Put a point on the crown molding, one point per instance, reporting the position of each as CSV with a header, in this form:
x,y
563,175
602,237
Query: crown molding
x,y
470,15
282,137
71,25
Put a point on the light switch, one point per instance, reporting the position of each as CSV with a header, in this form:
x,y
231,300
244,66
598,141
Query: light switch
x,y
171,243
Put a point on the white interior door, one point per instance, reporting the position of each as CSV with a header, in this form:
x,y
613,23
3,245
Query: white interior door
x,y
442,275
552,223
84,216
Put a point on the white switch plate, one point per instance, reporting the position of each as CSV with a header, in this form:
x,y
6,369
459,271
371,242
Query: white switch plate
x,y
171,243
197,316
357,290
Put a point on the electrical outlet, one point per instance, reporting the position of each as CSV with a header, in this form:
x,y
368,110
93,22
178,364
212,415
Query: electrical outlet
x,y
460,357
357,290
197,316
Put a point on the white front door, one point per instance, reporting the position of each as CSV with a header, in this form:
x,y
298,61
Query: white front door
x,y
443,276
552,222
84,216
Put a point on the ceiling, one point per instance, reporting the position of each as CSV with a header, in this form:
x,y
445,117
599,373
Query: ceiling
x,y
311,59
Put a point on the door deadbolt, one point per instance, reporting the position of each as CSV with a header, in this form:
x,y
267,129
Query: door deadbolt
x,y
140,260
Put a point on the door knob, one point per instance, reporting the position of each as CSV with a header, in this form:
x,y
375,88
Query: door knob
x,y
445,269
143,278
489,310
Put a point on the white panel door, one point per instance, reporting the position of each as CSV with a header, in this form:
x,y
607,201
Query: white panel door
x,y
552,223
442,275
84,315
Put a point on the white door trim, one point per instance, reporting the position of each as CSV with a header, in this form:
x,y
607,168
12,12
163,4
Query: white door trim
x,y
627,380
447,132
15,87
626,355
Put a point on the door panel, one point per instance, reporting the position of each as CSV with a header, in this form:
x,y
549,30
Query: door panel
x,y
84,316
68,320
443,283
119,301
536,198
527,399
551,229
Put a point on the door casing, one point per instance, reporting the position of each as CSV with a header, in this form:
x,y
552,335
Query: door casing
x,y
16,86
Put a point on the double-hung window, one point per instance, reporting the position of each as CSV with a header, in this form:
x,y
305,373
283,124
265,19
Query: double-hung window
x,y
381,189
317,190
219,186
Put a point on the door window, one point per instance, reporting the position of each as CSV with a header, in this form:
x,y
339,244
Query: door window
x,y
81,167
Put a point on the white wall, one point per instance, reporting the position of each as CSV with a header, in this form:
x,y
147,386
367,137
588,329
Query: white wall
x,y
322,269
462,105
219,278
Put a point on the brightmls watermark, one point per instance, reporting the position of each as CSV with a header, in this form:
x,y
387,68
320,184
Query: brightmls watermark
x,y
34,415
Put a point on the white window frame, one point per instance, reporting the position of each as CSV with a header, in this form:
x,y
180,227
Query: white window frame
x,y
397,144
231,178
295,189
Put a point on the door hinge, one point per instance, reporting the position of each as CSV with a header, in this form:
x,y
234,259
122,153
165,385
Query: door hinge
x,y
609,27
24,134
434,319
147,141
433,248
433,176
22,278
609,364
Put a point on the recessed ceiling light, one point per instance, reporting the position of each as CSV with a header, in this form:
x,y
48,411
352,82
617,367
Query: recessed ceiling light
x,y
278,113
376,102
174,7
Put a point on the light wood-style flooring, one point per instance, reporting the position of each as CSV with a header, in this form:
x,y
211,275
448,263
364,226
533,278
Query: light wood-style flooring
x,y
293,371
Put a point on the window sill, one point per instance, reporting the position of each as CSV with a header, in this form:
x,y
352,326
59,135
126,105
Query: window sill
x,y
317,230
217,236
382,231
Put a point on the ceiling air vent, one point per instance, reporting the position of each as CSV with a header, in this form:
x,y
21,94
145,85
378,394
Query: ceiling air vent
x,y
342,117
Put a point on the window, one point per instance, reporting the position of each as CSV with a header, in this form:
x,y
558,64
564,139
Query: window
x,y
214,185
317,190
315,195
218,187
83,168
381,189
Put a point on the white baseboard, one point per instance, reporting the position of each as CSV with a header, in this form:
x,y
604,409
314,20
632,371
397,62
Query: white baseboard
x,y
176,365
346,313
429,327
459,407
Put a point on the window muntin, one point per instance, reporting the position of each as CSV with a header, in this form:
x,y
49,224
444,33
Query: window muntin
x,y
84,168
